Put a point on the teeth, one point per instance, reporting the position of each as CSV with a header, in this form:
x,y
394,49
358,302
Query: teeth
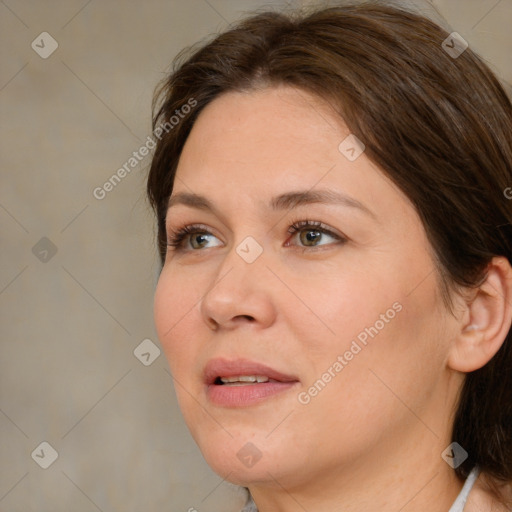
x,y
244,378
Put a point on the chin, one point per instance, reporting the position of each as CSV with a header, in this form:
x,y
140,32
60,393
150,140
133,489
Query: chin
x,y
240,460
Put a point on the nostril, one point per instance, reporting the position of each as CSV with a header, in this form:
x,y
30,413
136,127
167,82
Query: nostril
x,y
247,317
213,324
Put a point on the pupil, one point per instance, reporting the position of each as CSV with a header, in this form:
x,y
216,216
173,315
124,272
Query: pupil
x,y
311,236
199,240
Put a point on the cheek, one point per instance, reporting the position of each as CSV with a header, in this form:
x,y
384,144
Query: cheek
x,y
338,307
176,324
173,314
383,333
403,358
365,400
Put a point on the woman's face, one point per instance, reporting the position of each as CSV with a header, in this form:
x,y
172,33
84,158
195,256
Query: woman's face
x,y
309,269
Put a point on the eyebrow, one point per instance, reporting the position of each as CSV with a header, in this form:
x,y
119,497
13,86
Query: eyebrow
x,y
286,201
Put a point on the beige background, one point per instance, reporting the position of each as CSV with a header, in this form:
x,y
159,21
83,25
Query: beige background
x,y
72,320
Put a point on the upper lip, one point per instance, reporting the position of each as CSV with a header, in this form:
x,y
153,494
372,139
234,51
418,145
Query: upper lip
x,y
216,368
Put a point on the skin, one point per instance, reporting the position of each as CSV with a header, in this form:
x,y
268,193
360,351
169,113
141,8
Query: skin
x,y
372,438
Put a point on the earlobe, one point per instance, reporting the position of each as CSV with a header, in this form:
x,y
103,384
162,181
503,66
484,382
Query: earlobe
x,y
487,320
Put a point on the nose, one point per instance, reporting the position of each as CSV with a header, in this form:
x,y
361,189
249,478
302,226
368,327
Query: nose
x,y
240,294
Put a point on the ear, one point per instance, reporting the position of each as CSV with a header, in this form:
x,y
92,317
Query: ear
x,y
486,321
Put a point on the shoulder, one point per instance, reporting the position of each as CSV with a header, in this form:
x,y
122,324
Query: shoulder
x,y
483,498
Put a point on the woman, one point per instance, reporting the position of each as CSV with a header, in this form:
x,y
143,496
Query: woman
x,y
335,300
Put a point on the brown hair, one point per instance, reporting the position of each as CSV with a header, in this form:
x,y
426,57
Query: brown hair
x,y
438,126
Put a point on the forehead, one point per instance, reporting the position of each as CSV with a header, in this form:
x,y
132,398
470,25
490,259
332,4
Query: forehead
x,y
262,135
255,145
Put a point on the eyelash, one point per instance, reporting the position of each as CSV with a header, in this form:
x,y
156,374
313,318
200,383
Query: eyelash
x,y
176,238
305,225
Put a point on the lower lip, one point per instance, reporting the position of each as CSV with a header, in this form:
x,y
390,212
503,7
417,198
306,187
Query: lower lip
x,y
242,396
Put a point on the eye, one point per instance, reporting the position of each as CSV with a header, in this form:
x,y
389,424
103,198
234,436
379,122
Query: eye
x,y
193,237
306,233
313,233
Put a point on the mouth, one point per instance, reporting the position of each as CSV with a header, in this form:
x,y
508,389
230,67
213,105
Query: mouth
x,y
241,382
